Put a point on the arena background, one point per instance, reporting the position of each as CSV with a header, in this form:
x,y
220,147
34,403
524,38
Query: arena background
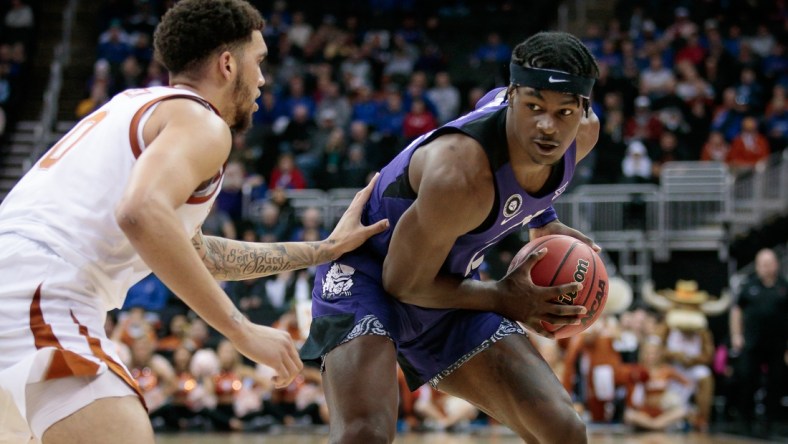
x,y
350,83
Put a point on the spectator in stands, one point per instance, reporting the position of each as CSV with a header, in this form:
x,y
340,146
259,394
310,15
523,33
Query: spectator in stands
x,y
759,331
155,75
332,100
18,21
691,52
656,81
775,65
300,30
98,97
175,336
691,86
491,56
365,107
728,115
278,197
286,175
636,166
401,61
418,121
269,227
716,148
669,149
776,116
230,199
189,398
114,44
219,223
749,147
238,389
333,152
355,168
611,149
144,19
356,71
445,96
153,373
311,219
297,97
643,125
297,141
749,91
763,41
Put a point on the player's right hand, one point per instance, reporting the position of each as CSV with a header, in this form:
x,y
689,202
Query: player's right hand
x,y
272,347
349,232
524,301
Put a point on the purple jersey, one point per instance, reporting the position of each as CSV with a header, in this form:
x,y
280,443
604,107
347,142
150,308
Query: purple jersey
x,y
513,208
349,300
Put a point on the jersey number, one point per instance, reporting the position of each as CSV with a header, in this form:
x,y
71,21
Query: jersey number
x,y
69,140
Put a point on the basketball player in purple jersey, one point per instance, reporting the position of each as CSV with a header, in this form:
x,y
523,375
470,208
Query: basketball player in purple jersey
x,y
411,294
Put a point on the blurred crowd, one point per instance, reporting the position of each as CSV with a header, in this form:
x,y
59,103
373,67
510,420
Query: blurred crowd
x,y
347,89
16,39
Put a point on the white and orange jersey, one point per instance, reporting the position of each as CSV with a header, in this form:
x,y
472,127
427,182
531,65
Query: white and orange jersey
x,y
68,198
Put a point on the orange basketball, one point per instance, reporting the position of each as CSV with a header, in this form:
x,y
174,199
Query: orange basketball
x,y
568,260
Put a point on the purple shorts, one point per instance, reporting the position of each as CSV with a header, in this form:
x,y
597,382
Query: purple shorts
x,y
349,301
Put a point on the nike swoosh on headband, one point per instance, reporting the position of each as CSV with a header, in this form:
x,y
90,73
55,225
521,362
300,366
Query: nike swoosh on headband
x,y
552,80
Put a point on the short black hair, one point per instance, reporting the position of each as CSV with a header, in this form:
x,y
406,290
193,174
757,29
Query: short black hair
x,y
560,51
193,29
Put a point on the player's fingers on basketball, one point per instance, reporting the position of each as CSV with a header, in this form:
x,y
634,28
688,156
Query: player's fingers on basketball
x,y
566,310
573,287
539,329
533,258
560,320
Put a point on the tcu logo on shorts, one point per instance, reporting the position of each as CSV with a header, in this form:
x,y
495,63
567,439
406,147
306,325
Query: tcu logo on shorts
x,y
338,281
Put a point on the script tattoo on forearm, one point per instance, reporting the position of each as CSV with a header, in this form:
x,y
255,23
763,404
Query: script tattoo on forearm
x,y
234,260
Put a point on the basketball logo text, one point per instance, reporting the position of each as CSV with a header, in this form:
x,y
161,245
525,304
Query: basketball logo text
x,y
579,276
598,297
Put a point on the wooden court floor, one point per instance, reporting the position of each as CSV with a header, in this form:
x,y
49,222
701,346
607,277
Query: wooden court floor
x,y
444,438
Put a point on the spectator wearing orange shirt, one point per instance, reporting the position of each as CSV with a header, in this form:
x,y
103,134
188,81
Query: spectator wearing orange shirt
x,y
749,147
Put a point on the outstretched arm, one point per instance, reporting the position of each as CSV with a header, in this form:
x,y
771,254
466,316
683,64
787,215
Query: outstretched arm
x,y
231,260
179,156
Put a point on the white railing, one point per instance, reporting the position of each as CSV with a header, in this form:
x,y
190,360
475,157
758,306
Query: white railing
x,y
693,208
50,103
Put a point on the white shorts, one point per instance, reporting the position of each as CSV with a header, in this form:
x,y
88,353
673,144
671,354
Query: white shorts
x,y
50,331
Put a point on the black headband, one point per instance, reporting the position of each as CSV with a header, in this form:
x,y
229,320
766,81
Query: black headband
x,y
552,80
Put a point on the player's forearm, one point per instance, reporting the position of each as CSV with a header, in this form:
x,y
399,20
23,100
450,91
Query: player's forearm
x,y
445,292
230,260
158,236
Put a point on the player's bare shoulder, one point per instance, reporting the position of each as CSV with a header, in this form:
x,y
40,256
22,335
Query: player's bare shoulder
x,y
452,177
190,119
455,159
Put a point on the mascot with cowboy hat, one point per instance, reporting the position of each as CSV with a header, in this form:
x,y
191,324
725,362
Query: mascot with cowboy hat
x,y
687,339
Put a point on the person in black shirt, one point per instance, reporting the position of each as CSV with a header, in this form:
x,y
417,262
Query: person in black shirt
x,y
759,335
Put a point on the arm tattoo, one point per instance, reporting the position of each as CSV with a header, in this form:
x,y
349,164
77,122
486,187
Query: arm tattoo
x,y
231,260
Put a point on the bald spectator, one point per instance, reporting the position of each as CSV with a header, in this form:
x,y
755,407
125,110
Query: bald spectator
x,y
759,336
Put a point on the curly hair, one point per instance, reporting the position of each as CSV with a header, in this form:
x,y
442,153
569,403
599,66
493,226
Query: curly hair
x,y
556,50
193,29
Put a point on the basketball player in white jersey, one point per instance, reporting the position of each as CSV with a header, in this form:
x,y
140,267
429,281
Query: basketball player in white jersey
x,y
123,194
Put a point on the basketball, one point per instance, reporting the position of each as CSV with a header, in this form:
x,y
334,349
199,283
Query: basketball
x,y
568,260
